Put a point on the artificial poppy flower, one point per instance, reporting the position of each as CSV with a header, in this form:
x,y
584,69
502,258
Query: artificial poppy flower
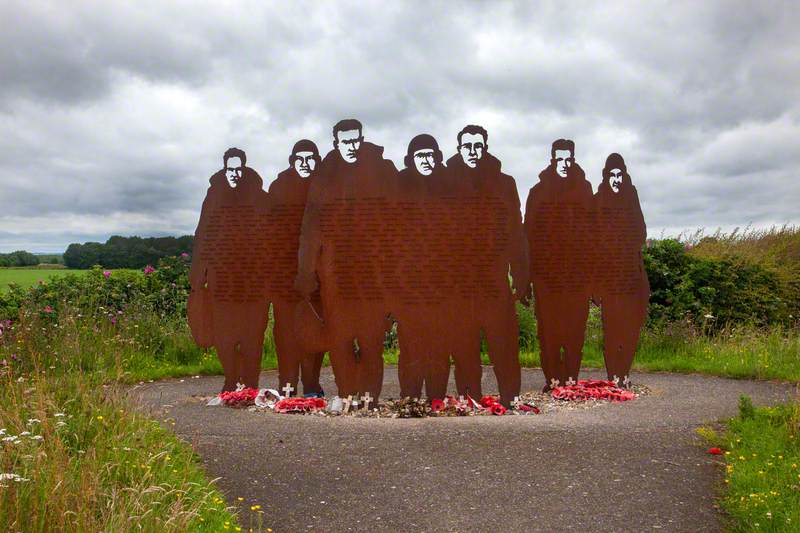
x,y
715,451
437,405
498,409
488,401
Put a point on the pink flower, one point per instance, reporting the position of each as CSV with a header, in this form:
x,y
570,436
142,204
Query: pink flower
x,y
106,274
185,255
148,270
47,309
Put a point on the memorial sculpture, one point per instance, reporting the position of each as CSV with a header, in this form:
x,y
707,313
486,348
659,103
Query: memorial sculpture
x,y
426,333
494,242
287,200
344,245
559,228
227,306
341,217
620,281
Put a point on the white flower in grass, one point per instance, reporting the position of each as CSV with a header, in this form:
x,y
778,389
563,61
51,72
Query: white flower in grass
x,y
24,433
13,477
34,421
59,415
13,439
37,437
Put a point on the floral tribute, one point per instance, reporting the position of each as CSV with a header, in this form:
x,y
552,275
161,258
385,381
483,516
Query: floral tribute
x,y
242,397
593,389
299,405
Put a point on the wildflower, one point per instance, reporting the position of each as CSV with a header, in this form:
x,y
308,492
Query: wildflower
x,y
184,255
34,421
99,417
255,507
37,437
59,415
148,270
24,433
106,274
13,477
47,309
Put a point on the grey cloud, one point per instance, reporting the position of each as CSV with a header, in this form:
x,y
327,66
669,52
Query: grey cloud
x,y
123,110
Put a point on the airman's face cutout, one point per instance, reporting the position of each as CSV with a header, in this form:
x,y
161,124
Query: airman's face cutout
x,y
615,179
563,160
348,144
233,171
472,148
425,161
304,163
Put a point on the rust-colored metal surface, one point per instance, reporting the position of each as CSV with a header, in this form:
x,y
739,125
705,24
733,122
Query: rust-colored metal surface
x,y
299,352
346,226
559,223
228,305
343,246
620,281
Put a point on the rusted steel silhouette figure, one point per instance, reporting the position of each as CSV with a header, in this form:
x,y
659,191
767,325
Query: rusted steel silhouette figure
x,y
558,223
342,217
228,307
493,245
620,281
425,329
287,200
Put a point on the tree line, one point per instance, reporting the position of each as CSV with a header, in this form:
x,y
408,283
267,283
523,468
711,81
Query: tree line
x,y
20,258
126,252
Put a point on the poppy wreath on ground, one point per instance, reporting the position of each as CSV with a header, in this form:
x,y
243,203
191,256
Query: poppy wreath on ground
x,y
300,405
592,389
239,398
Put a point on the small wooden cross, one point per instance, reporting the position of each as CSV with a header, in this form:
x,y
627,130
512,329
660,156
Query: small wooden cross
x,y
367,399
554,383
626,382
570,382
615,380
516,403
288,389
347,402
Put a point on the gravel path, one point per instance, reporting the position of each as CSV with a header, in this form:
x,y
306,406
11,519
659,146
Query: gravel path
x,y
634,466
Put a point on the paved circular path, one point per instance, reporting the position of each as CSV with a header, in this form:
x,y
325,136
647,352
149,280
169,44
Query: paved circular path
x,y
635,466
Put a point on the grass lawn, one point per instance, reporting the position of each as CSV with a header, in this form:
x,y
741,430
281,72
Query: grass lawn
x,y
762,471
27,277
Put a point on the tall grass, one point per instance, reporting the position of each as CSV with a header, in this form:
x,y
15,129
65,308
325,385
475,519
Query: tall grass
x,y
75,455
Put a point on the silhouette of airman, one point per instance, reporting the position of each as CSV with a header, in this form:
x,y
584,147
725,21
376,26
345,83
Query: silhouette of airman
x,y
620,283
227,306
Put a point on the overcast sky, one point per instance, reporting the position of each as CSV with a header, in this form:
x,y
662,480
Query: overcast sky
x,y
114,115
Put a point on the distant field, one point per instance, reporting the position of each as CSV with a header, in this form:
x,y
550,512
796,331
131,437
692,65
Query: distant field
x,y
27,277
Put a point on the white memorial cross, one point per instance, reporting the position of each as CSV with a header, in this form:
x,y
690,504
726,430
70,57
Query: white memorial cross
x,y
570,382
554,383
347,402
367,399
516,403
288,389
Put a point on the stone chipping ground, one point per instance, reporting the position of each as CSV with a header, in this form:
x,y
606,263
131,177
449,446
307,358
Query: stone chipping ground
x,y
594,466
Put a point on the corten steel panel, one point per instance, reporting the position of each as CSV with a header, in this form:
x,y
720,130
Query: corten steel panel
x,y
620,281
431,251
297,338
228,305
559,222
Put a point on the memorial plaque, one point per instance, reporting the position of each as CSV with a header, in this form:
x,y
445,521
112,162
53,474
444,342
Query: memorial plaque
x,y
621,286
